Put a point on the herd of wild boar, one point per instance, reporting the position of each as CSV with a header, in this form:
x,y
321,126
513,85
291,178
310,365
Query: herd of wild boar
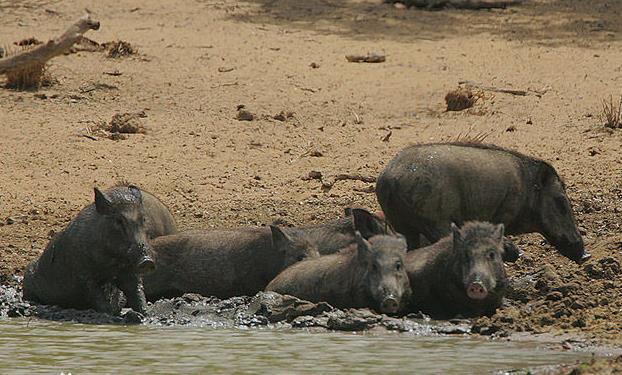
x,y
438,247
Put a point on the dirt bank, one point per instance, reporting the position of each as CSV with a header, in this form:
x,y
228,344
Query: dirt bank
x,y
196,62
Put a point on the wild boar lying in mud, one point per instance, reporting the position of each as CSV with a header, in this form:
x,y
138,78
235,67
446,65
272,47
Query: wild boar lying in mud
x,y
368,274
222,263
462,274
333,236
427,187
101,253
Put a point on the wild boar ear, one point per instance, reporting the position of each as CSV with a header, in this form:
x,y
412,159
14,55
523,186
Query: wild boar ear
x,y
363,246
280,239
135,192
457,236
546,175
103,205
368,224
403,239
499,232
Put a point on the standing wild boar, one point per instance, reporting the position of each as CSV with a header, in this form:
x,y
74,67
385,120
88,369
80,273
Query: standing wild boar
x,y
102,252
427,187
368,274
462,274
333,236
222,263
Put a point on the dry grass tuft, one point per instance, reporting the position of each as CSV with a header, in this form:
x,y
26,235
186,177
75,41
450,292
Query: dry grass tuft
x,y
461,98
472,138
119,48
127,123
611,114
30,77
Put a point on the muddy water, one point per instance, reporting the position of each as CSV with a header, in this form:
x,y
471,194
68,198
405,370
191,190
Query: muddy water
x,y
48,347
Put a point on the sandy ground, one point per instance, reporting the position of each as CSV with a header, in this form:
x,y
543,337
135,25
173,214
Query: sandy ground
x,y
198,60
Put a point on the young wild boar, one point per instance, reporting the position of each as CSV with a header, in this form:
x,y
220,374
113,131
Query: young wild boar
x,y
462,274
102,252
222,263
426,187
368,274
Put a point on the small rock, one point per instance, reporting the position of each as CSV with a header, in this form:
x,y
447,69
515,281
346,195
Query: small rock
x,y
132,317
278,307
117,136
313,175
244,115
283,116
580,322
352,320
554,296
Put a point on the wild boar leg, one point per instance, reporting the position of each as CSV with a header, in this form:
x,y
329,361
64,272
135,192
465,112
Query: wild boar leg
x,y
132,287
102,299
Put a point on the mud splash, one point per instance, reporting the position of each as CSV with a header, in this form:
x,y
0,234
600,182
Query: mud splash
x,y
265,309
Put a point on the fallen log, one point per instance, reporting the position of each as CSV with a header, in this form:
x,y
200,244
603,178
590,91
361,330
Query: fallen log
x,y
44,52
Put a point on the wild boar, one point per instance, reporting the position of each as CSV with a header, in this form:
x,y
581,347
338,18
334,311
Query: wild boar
x,y
367,274
102,252
462,274
427,187
333,236
222,263
158,218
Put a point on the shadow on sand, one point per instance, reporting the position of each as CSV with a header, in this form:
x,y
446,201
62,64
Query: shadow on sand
x,y
548,22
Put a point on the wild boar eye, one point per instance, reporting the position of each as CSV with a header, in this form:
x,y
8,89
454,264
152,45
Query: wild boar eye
x,y
492,255
398,266
374,267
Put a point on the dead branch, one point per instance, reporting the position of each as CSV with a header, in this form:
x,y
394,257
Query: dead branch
x,y
44,52
496,89
330,181
371,57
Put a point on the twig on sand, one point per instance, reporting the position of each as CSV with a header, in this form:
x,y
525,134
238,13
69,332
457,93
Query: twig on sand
x,y
502,90
44,52
330,181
